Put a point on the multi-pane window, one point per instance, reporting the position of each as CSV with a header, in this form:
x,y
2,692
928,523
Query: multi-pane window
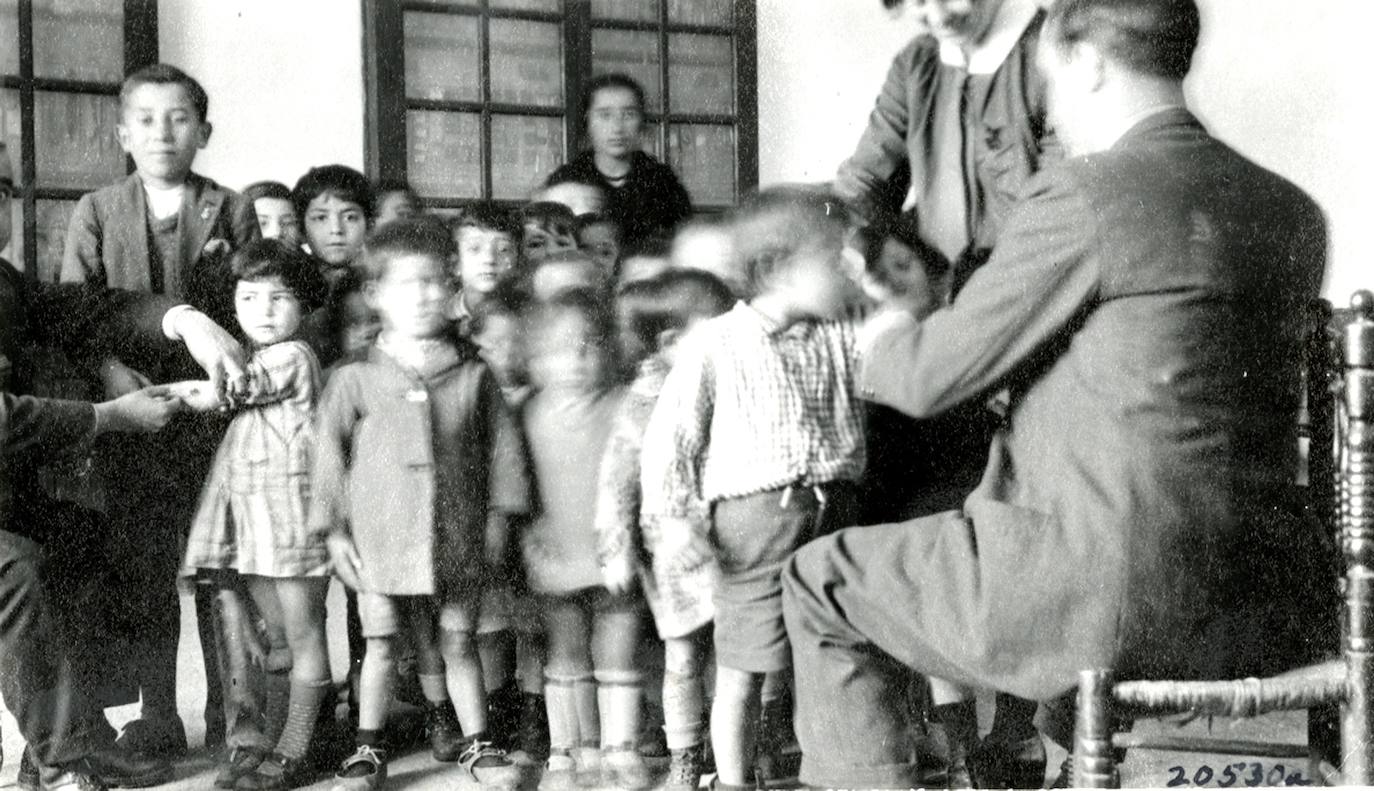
x,y
61,64
483,99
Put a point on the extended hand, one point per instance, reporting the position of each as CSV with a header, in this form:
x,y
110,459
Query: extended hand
x,y
618,574
348,565
215,351
143,410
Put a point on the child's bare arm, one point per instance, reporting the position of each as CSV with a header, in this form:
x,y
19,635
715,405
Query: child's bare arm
x,y
198,395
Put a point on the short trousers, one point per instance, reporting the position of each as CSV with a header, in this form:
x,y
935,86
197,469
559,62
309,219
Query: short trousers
x,y
753,537
382,615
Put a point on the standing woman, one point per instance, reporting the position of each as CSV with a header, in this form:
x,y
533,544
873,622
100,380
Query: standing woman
x,y
643,195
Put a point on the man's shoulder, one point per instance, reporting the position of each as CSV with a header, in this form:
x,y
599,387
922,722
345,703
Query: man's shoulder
x,y
117,195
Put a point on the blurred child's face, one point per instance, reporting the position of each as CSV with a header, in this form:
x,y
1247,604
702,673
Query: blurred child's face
x,y
580,198
358,326
412,296
710,249
160,128
502,344
599,240
335,229
277,220
396,205
484,257
642,267
814,279
539,244
268,311
568,357
551,279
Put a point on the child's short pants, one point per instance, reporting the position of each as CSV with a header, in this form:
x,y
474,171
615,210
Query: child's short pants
x,y
753,537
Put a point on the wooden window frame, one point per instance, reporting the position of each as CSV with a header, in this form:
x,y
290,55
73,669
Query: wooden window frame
x,y
387,104
140,49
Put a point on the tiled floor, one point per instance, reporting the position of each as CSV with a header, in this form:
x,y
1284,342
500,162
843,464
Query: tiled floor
x,y
417,772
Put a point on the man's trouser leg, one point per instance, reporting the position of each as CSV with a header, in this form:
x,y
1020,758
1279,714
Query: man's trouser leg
x,y
57,718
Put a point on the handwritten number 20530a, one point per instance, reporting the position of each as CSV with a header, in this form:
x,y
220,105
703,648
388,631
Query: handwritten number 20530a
x,y
1247,774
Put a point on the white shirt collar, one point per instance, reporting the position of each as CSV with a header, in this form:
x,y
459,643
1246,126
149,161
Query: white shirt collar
x,y
1012,19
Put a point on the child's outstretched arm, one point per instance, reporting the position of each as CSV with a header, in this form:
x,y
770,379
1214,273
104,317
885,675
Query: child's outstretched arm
x,y
674,449
336,418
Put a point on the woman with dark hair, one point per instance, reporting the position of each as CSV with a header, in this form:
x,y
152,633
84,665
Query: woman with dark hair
x,y
643,195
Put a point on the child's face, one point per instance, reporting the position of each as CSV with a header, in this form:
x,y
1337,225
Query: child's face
x,y
502,344
335,229
412,296
642,267
358,326
267,311
554,278
568,357
277,220
160,128
484,257
580,198
814,281
396,205
600,241
539,244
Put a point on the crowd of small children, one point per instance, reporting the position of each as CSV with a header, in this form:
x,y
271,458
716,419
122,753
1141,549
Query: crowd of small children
x,y
526,440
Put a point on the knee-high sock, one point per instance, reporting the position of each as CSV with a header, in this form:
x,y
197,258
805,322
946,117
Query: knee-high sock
x,y
620,701
560,700
684,710
588,718
306,697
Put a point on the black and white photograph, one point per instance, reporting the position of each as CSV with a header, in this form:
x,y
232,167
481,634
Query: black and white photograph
x,y
615,395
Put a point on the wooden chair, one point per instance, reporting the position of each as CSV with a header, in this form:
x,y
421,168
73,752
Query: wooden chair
x,y
1340,417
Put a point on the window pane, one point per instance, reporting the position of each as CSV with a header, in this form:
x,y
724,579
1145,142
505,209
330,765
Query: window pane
x,y
649,141
701,12
634,10
552,6
526,62
76,140
704,158
632,52
441,57
92,28
9,36
10,130
701,73
524,151
14,253
444,154
53,218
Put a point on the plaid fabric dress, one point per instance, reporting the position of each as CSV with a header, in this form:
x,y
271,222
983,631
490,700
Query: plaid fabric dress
x,y
252,514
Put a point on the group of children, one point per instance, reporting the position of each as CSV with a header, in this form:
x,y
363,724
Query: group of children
x,y
516,444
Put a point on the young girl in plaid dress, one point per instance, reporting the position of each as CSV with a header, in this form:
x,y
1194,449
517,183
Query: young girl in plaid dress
x,y
678,593
252,515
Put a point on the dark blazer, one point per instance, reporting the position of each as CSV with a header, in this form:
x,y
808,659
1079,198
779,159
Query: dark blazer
x,y
107,240
1144,306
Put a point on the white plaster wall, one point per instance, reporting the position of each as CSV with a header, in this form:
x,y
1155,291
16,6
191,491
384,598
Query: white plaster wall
x,y
1286,83
285,79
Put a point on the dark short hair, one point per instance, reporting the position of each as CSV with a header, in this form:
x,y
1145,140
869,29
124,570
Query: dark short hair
x,y
264,258
1155,37
488,216
549,217
658,244
267,189
566,175
340,181
585,221
772,225
612,80
672,300
507,299
424,235
166,74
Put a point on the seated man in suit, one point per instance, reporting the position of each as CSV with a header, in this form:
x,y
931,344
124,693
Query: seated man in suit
x,y
1144,308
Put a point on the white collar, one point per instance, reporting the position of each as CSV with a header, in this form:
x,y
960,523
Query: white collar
x,y
1011,20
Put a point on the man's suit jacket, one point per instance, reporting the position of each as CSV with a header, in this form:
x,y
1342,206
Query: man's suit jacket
x,y
1145,307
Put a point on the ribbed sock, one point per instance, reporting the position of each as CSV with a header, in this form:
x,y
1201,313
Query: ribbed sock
x,y
276,703
684,710
304,710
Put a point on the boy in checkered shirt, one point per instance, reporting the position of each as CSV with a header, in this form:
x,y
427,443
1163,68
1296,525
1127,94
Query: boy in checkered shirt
x,y
759,419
